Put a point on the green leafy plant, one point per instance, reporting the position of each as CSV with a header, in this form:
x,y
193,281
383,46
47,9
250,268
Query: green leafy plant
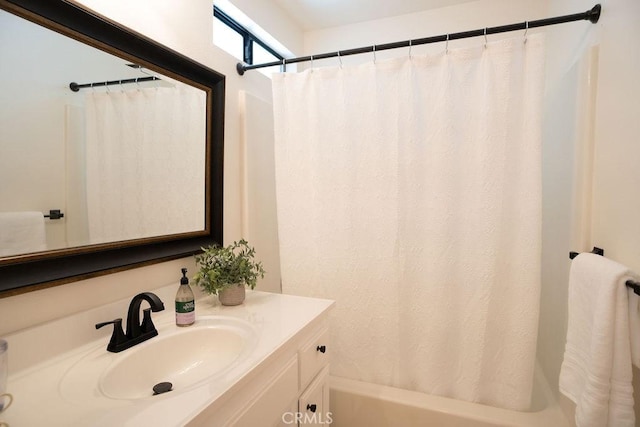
x,y
223,267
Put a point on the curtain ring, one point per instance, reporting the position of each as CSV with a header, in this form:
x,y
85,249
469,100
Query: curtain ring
x,y
374,53
485,37
526,29
284,66
340,59
446,46
311,62
410,45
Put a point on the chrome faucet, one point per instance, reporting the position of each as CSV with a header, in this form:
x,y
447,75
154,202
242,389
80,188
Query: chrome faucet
x,y
137,332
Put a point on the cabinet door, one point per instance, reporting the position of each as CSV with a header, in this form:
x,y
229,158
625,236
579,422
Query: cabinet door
x,y
314,356
268,406
313,405
289,418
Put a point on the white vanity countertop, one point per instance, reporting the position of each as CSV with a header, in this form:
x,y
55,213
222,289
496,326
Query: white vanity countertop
x,y
40,357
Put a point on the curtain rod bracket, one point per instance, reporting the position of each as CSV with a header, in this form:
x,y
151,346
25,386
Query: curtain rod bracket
x,y
594,14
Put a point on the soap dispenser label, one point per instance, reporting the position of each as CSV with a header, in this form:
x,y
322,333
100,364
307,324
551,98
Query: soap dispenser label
x,y
185,312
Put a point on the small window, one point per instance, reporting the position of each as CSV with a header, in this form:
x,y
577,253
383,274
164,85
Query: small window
x,y
262,55
228,39
241,43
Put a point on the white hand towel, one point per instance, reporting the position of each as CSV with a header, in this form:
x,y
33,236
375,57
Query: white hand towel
x,y
634,326
596,371
21,233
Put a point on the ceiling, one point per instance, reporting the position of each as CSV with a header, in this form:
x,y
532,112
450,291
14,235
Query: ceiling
x,y
318,14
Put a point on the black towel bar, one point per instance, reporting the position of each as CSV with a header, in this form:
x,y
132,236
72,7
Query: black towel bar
x,y
598,251
595,250
633,285
54,214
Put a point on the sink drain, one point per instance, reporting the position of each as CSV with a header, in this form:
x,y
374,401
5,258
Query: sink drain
x,y
162,388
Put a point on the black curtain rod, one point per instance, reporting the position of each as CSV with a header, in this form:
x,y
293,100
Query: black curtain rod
x,y
76,87
591,15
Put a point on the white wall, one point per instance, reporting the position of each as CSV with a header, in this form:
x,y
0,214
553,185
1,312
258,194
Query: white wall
x,y
186,29
591,197
567,149
32,124
615,225
467,16
35,105
259,186
272,19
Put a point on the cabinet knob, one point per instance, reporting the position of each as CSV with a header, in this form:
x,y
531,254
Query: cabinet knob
x,y
321,348
312,408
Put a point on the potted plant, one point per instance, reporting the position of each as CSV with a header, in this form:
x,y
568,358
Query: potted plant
x,y
225,271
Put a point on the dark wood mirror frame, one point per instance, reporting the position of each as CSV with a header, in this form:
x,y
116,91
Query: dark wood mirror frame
x,y
22,274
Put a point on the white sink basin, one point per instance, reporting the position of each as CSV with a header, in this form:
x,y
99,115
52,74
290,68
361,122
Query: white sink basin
x,y
184,357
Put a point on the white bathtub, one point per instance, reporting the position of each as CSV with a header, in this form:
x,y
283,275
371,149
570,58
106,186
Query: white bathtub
x,y
359,404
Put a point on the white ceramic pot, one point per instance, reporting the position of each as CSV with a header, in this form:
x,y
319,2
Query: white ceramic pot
x,y
233,295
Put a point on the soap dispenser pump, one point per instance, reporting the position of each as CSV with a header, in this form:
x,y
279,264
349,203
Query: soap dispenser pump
x,y
185,302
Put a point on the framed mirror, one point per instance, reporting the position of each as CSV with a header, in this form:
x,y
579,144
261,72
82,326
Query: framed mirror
x,y
111,148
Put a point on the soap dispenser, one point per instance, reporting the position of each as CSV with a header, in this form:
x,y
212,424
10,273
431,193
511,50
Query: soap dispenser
x,y
185,302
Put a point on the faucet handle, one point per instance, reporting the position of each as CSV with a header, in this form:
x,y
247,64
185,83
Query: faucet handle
x,y
117,337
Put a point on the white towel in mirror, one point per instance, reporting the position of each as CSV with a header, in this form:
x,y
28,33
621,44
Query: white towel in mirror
x,y
21,233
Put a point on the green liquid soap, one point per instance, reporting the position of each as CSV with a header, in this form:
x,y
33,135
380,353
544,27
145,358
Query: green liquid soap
x,y
185,302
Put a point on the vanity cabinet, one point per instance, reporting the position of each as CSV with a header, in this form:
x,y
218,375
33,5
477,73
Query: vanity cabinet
x,y
268,402
290,388
279,377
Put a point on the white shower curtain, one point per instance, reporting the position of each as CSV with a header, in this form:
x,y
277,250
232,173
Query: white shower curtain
x,y
145,162
409,192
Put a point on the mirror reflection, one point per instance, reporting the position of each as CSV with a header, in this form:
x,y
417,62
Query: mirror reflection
x,y
120,161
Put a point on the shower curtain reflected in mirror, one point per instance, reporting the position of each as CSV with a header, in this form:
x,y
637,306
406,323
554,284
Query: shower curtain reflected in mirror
x,y
145,171
409,191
